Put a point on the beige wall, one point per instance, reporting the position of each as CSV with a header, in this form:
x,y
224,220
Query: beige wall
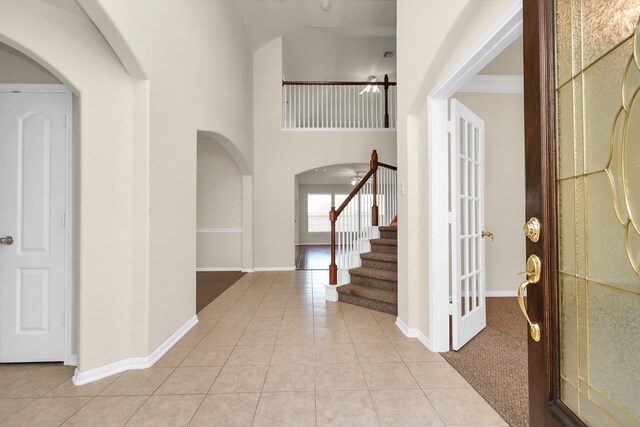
x,y
280,155
503,116
16,67
219,209
432,36
304,237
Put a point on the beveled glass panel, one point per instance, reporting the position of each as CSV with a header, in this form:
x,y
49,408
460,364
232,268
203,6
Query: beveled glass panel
x,y
614,347
578,126
565,131
607,24
566,226
607,259
602,101
568,329
563,41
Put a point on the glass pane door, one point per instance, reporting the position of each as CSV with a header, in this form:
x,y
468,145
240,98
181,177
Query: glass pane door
x,y
598,191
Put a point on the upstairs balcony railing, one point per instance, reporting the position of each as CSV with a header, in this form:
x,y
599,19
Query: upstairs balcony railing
x,y
339,105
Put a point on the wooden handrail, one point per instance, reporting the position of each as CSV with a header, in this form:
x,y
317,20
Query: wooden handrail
x,y
374,164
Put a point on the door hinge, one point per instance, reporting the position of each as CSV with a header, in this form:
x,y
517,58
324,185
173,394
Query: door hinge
x,y
64,220
450,125
451,308
63,318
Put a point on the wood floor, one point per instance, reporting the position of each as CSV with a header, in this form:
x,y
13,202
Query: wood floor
x,y
316,257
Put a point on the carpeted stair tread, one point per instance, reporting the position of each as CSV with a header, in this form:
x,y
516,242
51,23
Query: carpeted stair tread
x,y
384,242
387,228
376,299
380,256
375,273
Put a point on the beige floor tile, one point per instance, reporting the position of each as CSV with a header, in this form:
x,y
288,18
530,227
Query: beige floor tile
x,y
208,355
106,411
173,357
137,382
345,408
298,313
368,335
166,411
9,376
335,353
296,323
231,410
416,352
237,379
189,380
9,407
376,353
36,383
295,336
448,403
388,376
408,408
250,355
46,412
20,366
329,322
331,335
339,376
286,409
270,311
258,336
290,378
436,375
395,335
264,323
222,337
290,354
67,389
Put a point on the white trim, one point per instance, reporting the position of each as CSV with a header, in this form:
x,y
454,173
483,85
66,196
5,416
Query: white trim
x,y
248,270
494,84
218,269
415,333
274,269
34,88
495,294
219,230
338,129
331,292
313,244
506,30
81,378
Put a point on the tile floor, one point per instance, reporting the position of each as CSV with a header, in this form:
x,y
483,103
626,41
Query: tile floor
x,y
270,351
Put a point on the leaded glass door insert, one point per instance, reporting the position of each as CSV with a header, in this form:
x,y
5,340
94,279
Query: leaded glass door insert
x,y
598,194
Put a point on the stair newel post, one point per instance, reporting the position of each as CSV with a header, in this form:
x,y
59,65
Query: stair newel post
x,y
386,101
333,268
374,209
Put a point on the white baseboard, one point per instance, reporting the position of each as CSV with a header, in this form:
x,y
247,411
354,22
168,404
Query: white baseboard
x,y
513,294
313,244
72,360
274,269
248,270
414,333
219,269
81,378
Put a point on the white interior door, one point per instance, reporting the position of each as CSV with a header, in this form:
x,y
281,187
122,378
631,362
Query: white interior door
x,y
33,206
467,204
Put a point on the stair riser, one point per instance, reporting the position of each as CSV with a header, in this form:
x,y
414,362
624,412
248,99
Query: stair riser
x,y
382,265
389,235
387,249
374,283
368,303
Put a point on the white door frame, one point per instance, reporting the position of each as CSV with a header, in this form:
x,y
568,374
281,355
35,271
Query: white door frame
x,y
508,28
69,357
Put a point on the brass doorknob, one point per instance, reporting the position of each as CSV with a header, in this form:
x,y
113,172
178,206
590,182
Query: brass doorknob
x,y
532,229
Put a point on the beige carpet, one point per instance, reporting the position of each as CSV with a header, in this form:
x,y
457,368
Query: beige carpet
x,y
495,361
210,284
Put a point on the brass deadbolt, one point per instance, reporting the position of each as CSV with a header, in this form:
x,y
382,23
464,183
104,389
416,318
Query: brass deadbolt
x,y
532,229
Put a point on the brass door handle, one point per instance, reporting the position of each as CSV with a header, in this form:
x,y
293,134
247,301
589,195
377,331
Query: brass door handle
x,y
534,270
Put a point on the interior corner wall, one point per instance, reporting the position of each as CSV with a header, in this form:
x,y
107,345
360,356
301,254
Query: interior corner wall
x,y
304,236
280,155
503,115
219,209
432,37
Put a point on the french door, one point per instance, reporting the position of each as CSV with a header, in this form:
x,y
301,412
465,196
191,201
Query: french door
x,y
582,150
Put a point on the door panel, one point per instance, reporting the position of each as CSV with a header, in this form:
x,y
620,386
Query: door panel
x,y
581,79
33,206
467,178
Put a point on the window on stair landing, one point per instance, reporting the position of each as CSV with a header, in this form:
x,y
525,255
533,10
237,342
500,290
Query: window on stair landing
x,y
318,207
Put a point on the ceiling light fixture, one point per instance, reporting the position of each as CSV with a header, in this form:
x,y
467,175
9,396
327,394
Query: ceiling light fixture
x,y
325,5
356,179
371,88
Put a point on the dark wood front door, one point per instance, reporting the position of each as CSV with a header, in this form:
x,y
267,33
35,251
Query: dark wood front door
x,y
582,144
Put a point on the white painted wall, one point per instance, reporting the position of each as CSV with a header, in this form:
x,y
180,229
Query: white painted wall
x,y
304,237
280,155
433,36
503,115
219,209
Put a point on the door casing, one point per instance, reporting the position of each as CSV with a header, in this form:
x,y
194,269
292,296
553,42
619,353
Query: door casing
x,y
69,358
506,30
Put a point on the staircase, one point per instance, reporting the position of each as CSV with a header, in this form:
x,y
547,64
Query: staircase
x,y
374,285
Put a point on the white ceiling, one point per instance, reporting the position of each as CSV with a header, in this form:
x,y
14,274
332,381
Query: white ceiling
x,y
333,175
508,62
346,42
